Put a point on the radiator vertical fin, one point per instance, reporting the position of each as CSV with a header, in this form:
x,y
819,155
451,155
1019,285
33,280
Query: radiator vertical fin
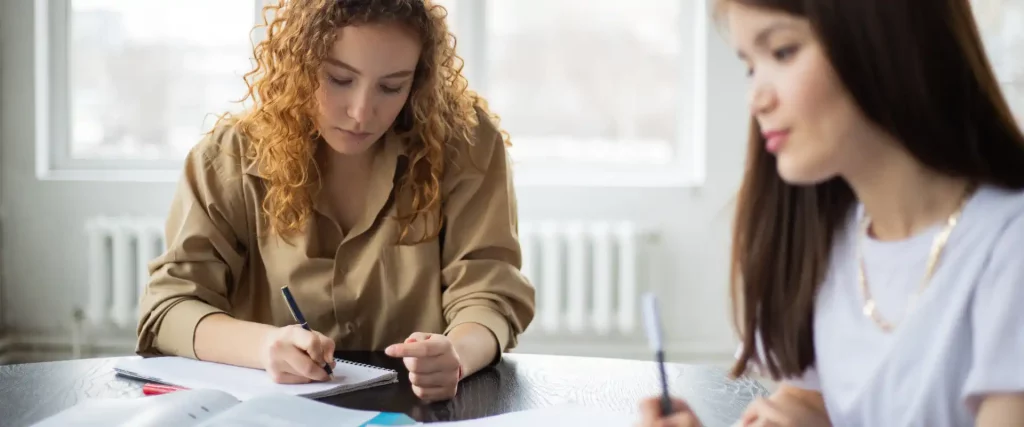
x,y
551,277
602,271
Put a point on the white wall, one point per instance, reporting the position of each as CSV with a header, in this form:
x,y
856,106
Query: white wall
x,y
43,243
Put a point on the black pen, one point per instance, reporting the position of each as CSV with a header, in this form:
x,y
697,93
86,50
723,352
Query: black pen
x,y
653,326
294,308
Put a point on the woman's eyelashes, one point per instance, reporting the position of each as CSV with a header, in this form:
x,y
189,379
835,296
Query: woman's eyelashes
x,y
348,82
783,54
390,89
339,82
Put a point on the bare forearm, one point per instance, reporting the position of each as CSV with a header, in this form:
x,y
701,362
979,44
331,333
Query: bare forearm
x,y
224,339
1000,410
475,345
808,398
804,407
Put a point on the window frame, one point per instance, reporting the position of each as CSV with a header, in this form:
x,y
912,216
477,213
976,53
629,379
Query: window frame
x,y
687,168
53,128
52,96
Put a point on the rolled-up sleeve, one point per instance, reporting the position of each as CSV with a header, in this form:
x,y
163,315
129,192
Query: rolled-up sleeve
x,y
481,252
205,238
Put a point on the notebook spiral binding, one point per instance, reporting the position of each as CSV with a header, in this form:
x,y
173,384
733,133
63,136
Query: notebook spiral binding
x,y
363,365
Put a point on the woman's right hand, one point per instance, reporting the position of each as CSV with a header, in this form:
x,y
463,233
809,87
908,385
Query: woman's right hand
x,y
292,355
682,415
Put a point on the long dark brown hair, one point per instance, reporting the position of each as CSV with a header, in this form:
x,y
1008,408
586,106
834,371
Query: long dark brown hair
x,y
918,70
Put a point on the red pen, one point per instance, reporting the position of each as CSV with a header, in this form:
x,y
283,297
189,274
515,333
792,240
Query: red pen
x,y
152,389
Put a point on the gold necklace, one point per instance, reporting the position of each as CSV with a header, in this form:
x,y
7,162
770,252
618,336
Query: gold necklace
x,y
938,245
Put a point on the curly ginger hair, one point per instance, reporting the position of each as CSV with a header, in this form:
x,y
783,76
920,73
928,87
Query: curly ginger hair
x,y
281,128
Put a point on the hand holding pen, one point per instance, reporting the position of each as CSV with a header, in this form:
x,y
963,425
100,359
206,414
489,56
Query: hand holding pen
x,y
295,353
663,410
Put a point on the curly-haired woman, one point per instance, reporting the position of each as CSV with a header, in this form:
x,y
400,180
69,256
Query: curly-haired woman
x,y
366,178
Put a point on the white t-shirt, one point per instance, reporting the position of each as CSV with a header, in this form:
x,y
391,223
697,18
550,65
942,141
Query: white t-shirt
x,y
964,338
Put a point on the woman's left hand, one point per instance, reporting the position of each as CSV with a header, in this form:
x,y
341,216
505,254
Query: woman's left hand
x,y
782,411
434,365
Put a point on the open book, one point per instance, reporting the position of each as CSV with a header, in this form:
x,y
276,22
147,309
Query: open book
x,y
213,408
246,383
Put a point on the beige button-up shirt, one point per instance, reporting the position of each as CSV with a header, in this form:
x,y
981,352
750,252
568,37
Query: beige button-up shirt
x,y
360,289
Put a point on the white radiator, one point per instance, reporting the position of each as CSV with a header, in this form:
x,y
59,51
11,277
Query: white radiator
x,y
587,274
119,249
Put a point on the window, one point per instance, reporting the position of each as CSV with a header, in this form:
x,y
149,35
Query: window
x,y
593,92
1002,29
605,90
609,72
133,85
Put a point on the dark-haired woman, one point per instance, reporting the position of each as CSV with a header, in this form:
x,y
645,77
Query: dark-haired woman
x,y
878,254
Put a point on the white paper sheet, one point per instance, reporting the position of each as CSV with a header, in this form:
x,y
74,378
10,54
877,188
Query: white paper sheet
x,y
564,415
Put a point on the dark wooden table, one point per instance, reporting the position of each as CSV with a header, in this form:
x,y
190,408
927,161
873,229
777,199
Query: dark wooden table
x,y
32,392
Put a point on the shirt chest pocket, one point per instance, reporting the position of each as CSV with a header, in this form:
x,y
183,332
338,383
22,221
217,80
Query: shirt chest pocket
x,y
411,269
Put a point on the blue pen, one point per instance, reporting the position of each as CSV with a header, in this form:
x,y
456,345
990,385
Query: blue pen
x,y
294,308
653,326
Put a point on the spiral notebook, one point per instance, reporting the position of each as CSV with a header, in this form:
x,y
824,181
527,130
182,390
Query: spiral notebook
x,y
246,383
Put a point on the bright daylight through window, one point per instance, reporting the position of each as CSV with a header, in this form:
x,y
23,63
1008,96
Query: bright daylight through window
x,y
603,84
589,80
147,77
